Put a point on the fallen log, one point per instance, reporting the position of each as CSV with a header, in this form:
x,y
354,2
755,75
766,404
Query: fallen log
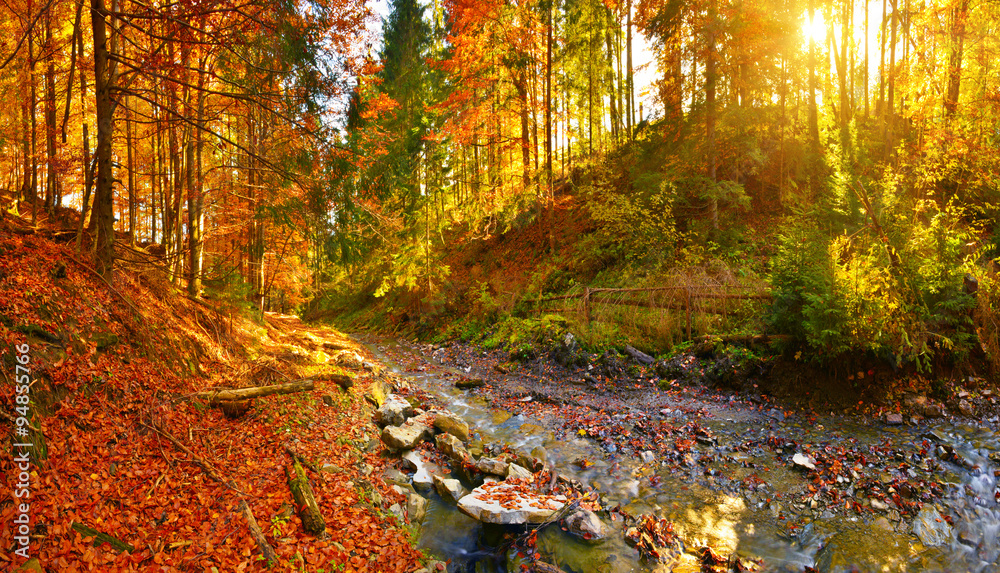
x,y
305,501
232,395
102,538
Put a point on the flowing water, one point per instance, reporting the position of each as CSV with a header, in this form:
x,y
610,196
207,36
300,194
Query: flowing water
x,y
750,501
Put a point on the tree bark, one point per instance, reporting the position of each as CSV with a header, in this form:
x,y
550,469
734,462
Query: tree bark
x,y
710,111
959,16
890,103
548,127
814,148
305,500
103,196
51,184
196,199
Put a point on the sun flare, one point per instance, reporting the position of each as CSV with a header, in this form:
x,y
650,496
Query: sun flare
x,y
814,29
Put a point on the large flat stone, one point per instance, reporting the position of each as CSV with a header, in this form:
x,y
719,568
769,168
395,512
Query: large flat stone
x,y
407,436
509,504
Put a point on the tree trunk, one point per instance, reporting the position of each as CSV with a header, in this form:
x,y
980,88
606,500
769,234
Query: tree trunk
x,y
630,88
103,196
548,127
522,93
866,75
959,15
75,50
51,185
611,82
216,396
129,143
710,81
890,103
196,198
814,149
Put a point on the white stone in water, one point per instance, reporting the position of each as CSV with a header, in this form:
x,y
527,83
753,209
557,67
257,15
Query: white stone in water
x,y
803,460
509,504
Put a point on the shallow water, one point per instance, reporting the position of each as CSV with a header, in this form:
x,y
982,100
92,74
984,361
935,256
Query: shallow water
x,y
711,504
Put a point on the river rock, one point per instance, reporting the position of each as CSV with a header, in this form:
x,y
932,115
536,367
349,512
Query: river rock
x,y
509,504
395,476
492,466
539,454
449,489
930,527
529,461
468,383
648,457
407,436
804,460
433,567
394,411
516,471
377,392
452,424
586,525
894,419
452,447
416,507
966,408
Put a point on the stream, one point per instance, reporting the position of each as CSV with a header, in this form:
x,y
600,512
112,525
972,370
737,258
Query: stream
x,y
914,497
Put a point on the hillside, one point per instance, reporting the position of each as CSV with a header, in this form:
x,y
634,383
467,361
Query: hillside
x,y
122,446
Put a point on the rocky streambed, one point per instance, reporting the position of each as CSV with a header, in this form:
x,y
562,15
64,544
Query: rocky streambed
x,y
569,469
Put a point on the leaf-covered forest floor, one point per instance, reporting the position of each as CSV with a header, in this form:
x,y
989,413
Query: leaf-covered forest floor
x,y
112,371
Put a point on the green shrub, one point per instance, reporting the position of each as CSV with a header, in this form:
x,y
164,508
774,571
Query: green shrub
x,y
897,294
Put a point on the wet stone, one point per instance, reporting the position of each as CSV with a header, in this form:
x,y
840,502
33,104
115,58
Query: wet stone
x,y
405,437
492,466
394,411
452,447
416,507
894,419
586,525
803,460
966,408
449,489
508,504
931,528
516,471
452,424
